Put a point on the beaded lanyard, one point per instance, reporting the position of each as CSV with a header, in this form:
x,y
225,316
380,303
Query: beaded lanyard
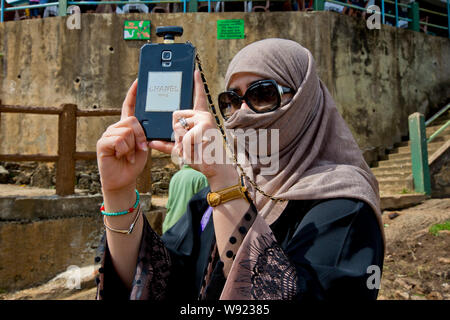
x,y
248,218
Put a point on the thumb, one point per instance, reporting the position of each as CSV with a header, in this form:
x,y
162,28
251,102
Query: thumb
x,y
200,99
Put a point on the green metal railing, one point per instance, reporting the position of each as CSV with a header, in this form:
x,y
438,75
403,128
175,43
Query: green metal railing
x,y
63,5
419,148
442,128
319,5
413,19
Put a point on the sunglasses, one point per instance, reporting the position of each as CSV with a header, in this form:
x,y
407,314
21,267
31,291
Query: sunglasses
x,y
261,96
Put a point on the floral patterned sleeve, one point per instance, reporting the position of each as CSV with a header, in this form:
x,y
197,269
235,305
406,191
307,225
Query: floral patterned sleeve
x,y
152,271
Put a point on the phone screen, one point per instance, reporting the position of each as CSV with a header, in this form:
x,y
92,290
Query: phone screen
x,y
163,91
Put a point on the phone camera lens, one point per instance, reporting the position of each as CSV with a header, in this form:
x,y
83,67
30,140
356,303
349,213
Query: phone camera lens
x,y
166,55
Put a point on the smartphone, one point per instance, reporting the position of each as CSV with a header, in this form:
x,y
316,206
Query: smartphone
x,y
165,83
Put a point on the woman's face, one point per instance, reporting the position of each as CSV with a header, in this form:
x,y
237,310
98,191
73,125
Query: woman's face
x,y
239,83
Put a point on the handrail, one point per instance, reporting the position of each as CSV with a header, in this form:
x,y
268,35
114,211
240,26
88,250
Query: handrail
x,y
433,12
365,9
413,9
419,153
32,6
438,131
124,2
347,5
437,115
433,25
419,148
405,5
78,3
434,117
398,18
67,154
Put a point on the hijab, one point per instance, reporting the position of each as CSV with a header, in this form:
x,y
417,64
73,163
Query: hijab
x,y
318,156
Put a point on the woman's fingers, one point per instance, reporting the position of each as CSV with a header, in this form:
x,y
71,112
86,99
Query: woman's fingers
x,y
125,138
123,141
177,115
163,146
129,103
133,123
112,146
200,102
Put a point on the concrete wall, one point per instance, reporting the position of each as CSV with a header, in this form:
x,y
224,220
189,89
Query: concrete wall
x,y
42,236
378,77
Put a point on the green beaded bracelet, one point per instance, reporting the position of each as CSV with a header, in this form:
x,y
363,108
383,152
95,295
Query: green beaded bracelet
x,y
102,208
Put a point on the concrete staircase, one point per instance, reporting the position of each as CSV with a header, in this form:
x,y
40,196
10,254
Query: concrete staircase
x,y
394,175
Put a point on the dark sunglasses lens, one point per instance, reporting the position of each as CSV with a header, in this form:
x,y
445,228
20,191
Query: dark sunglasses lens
x,y
228,104
263,97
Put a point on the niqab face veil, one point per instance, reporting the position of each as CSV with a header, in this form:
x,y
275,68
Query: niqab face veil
x,y
318,156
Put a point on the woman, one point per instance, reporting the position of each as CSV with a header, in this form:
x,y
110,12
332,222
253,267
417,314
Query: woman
x,y
309,231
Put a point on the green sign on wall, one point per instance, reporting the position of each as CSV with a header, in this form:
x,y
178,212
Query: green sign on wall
x,y
136,30
230,29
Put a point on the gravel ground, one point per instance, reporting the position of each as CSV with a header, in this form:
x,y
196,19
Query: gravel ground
x,y
417,263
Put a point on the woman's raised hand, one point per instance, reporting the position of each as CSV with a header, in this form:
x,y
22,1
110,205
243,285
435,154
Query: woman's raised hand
x,y
194,139
122,150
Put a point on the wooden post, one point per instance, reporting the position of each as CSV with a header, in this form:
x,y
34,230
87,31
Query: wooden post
x,y
419,153
144,181
67,135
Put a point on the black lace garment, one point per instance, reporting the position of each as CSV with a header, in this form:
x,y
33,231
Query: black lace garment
x,y
322,252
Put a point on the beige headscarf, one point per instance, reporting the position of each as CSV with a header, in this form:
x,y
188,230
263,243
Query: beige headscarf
x,y
318,156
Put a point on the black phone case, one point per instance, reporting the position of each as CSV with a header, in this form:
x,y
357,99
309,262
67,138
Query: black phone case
x,y
157,125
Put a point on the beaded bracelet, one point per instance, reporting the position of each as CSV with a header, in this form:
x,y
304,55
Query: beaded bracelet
x,y
130,229
102,208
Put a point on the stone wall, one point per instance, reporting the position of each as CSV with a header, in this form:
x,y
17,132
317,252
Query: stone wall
x,y
440,172
42,236
377,77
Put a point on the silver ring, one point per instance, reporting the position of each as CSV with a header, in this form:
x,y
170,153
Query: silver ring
x,y
184,123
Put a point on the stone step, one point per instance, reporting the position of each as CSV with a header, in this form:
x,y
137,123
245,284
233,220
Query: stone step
x,y
395,190
391,163
391,169
399,156
433,146
397,175
407,155
441,138
392,179
393,184
434,128
400,201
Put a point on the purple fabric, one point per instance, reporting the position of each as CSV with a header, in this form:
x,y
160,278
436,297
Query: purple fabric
x,y
205,218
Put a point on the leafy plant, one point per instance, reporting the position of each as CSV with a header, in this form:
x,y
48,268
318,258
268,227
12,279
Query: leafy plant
x,y
405,191
434,229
